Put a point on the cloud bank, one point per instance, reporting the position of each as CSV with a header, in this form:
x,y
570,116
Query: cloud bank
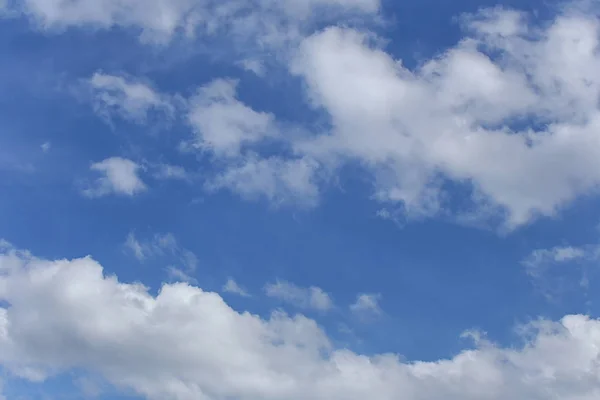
x,y
186,343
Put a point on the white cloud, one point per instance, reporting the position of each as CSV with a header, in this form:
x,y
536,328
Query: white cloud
x,y
231,286
164,246
168,171
178,275
366,305
556,254
129,99
281,181
46,147
510,112
135,247
164,241
560,269
253,65
185,343
231,132
159,20
120,177
457,116
222,123
312,297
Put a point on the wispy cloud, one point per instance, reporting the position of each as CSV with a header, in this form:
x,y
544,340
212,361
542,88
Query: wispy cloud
x,y
135,247
128,98
179,275
168,171
308,298
231,286
165,246
559,270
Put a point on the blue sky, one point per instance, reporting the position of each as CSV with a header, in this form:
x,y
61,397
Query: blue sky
x,y
320,198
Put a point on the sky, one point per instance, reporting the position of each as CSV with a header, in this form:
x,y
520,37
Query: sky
x,y
299,199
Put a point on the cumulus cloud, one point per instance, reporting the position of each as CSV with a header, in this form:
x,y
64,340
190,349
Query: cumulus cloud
x,y
511,111
308,298
226,129
120,176
233,133
509,114
222,123
185,343
231,286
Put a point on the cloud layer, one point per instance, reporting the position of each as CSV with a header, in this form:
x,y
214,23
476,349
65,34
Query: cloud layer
x,y
510,113
185,343
159,20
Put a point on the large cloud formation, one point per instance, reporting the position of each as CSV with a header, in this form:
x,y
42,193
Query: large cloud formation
x,y
185,343
509,115
512,111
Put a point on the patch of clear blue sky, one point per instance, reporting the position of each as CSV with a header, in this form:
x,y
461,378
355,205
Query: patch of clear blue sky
x,y
436,278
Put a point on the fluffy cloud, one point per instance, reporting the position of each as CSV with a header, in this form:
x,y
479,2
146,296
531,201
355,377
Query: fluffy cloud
x,y
233,134
312,297
185,343
222,123
224,128
120,176
511,111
